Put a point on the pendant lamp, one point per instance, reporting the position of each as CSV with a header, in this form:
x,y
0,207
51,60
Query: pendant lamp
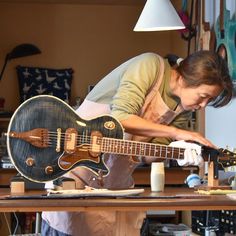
x,y
158,15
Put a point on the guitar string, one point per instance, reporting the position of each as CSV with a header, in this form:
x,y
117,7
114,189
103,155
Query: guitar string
x,y
109,140
179,151
89,139
125,145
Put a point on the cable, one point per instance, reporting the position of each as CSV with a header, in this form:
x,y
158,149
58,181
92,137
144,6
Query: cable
x,y
8,225
17,223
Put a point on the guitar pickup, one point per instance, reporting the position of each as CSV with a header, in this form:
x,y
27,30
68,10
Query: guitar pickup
x,y
70,141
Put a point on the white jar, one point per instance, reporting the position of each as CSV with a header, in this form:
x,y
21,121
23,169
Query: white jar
x,y
157,176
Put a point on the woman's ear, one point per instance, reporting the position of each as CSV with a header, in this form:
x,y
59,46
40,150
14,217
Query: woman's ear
x,y
181,82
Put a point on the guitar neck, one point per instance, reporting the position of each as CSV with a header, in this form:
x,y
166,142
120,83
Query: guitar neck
x,y
133,148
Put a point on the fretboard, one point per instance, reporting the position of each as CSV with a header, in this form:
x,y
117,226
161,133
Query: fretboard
x,y
133,148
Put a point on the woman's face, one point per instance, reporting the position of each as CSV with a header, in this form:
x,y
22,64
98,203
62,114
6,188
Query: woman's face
x,y
195,98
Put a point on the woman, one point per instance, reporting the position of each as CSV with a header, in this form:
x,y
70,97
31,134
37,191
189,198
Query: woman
x,y
153,102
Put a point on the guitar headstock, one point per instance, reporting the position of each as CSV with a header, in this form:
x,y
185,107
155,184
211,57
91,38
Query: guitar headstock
x,y
226,158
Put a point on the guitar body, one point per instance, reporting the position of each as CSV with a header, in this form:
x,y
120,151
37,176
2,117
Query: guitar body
x,y
225,31
41,164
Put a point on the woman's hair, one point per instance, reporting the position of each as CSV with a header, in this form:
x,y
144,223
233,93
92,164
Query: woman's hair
x,y
207,67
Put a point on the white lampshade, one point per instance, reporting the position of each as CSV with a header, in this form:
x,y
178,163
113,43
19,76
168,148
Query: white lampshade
x,y
158,15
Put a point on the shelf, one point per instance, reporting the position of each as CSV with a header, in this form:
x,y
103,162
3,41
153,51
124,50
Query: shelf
x,y
5,119
5,176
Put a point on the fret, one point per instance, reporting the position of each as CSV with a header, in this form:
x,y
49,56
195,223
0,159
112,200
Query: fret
x,y
172,153
135,149
130,149
108,145
127,146
144,149
166,152
125,150
152,153
182,153
122,148
149,149
157,151
141,149
103,144
160,151
118,146
113,145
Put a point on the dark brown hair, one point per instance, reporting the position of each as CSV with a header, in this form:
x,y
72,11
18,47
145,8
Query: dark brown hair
x,y
207,67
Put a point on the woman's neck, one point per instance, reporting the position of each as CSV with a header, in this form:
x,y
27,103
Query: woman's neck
x,y
175,83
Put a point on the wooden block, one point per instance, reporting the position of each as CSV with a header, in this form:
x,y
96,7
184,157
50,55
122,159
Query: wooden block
x,y
208,187
211,180
17,187
68,184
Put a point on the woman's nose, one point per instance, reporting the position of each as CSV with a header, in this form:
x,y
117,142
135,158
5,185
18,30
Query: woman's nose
x,y
203,103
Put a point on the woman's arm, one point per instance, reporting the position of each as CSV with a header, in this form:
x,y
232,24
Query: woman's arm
x,y
139,126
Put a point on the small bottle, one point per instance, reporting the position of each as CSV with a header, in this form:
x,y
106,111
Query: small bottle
x,y
157,177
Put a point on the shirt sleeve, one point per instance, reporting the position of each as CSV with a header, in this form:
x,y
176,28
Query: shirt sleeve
x,y
135,83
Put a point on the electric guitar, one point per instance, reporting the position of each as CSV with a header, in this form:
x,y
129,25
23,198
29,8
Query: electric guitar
x,y
46,139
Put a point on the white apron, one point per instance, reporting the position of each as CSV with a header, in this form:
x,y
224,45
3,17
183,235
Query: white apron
x,y
104,223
